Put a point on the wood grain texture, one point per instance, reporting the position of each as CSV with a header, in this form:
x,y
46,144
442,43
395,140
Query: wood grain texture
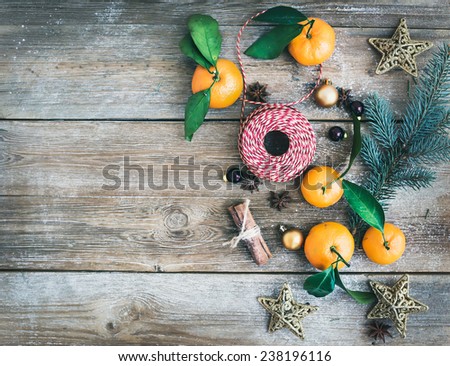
x,y
197,309
55,214
176,234
121,61
68,159
76,78
360,13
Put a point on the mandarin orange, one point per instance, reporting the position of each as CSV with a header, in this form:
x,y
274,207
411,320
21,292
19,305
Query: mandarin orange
x,y
320,188
228,83
313,46
322,242
384,252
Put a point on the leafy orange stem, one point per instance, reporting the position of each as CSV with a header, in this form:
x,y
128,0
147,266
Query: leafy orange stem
x,y
216,75
311,23
385,242
334,250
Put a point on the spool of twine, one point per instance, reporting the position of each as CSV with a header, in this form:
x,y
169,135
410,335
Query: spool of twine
x,y
276,141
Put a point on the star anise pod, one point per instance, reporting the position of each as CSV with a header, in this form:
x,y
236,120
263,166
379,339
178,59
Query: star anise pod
x,y
344,97
279,200
379,330
250,183
257,92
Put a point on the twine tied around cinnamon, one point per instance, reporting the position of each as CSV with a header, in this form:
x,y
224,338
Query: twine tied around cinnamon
x,y
244,234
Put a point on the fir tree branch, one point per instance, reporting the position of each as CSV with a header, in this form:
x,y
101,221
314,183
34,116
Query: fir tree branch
x,y
382,122
431,92
398,154
413,177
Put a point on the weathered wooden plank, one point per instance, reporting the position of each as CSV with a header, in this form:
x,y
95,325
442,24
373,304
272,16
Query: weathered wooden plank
x,y
136,71
96,59
172,234
69,159
360,13
57,158
196,309
55,214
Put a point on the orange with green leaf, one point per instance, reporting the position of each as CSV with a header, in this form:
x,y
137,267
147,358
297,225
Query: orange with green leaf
x,y
329,247
216,83
315,44
226,81
310,41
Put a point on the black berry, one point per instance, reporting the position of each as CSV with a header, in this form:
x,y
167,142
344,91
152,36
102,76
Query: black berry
x,y
357,108
234,174
336,133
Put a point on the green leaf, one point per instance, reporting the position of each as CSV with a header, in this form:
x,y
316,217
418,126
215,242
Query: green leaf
x,y
206,36
360,296
282,15
364,204
356,145
271,44
321,284
189,48
195,112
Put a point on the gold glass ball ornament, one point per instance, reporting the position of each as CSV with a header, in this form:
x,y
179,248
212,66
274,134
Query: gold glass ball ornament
x,y
326,95
292,238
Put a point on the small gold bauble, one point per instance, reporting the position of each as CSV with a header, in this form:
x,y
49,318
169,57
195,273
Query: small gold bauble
x,y
326,95
291,238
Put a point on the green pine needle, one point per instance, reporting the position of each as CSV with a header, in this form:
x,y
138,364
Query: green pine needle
x,y
399,154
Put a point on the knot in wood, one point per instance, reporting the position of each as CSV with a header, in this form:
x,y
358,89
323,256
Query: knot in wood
x,y
176,220
111,328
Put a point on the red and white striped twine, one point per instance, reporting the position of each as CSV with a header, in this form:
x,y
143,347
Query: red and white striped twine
x,y
274,117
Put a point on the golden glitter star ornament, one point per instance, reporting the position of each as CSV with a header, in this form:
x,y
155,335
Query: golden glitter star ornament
x,y
399,51
286,312
395,303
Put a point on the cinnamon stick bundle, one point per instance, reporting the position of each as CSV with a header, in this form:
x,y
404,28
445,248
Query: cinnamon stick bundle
x,y
257,246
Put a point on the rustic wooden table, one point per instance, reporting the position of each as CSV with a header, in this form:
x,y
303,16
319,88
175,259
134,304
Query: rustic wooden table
x,y
87,84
